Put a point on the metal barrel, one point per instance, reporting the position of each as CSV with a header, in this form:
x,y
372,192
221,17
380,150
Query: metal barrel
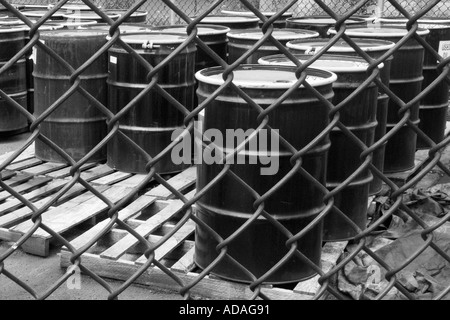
x,y
212,35
434,107
240,41
280,23
89,15
153,120
13,81
137,16
320,24
124,27
406,82
228,205
374,48
232,22
77,126
360,116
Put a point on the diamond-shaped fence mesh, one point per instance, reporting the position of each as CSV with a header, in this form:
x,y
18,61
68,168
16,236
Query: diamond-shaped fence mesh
x,y
263,231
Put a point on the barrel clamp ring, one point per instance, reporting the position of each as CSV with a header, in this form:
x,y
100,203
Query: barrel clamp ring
x,y
149,45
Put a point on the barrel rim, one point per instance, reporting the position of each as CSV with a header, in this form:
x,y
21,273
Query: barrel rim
x,y
163,41
238,19
353,32
74,6
363,67
201,77
138,13
221,30
303,45
87,16
55,34
41,13
105,26
12,29
78,23
251,14
257,33
351,20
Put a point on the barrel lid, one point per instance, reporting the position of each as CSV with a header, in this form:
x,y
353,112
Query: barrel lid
x,y
380,31
41,13
338,64
229,19
12,29
147,37
124,27
66,33
279,34
426,23
265,77
35,7
138,13
76,23
203,30
3,16
74,6
341,46
11,21
322,20
251,14
89,15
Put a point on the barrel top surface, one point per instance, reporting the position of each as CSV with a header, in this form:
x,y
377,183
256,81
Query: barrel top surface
x,y
153,37
279,34
81,33
339,64
89,15
321,20
77,23
380,31
12,29
139,13
75,6
251,14
203,30
367,45
3,16
124,27
427,23
229,19
265,77
11,21
41,13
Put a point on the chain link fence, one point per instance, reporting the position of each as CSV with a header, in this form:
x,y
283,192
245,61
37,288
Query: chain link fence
x,y
263,205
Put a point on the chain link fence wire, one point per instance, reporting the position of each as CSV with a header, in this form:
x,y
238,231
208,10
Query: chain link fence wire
x,y
180,11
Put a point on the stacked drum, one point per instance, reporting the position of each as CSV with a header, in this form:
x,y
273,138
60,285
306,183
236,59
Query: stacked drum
x,y
153,120
406,82
76,126
320,24
359,116
13,81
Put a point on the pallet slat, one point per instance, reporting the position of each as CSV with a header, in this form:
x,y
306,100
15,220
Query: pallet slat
x,y
180,182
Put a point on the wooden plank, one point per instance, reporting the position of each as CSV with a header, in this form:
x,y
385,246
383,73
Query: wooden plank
x,y
122,246
27,154
27,186
62,219
172,243
17,179
186,263
64,173
96,172
6,174
44,168
20,215
331,252
180,182
131,182
24,164
130,211
210,288
112,178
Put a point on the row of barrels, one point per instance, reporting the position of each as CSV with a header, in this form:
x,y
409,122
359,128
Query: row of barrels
x,y
117,79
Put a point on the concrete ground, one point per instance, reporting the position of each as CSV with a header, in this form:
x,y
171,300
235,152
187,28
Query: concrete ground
x,y
41,273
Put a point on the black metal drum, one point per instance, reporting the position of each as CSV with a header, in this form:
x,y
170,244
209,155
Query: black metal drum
x,y
214,36
153,120
13,81
228,205
374,48
344,156
406,82
240,41
77,126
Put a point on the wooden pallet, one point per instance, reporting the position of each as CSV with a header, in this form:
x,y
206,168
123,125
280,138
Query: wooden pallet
x,y
118,255
38,181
